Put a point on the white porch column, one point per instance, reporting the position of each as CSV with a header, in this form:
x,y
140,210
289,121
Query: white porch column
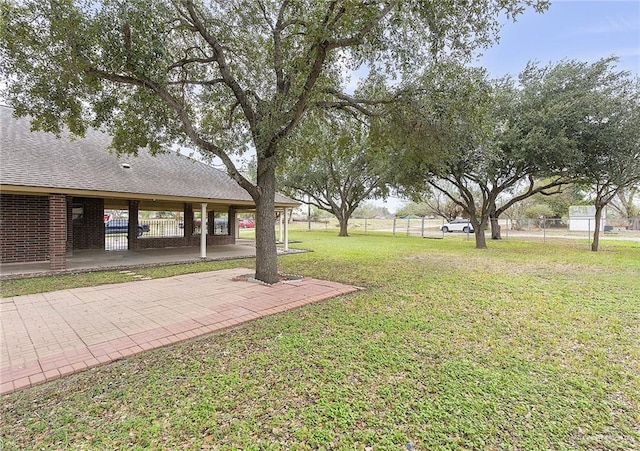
x,y
280,228
286,231
203,230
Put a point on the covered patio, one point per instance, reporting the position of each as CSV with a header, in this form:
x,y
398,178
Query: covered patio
x,y
101,260
58,198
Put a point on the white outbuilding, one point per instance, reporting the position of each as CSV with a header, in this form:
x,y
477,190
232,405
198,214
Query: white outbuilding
x,y
582,218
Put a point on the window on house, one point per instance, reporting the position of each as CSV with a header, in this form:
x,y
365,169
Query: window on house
x,y
77,211
221,223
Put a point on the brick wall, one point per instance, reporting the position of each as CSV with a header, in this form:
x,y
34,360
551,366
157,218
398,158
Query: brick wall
x,y
133,225
24,228
88,233
188,219
25,231
193,241
232,223
219,239
57,232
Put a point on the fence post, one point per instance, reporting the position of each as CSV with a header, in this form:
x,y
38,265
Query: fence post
x,y
394,226
422,228
544,229
365,226
408,224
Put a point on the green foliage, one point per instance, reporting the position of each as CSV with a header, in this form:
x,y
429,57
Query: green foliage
x,y
154,71
536,211
369,210
440,119
419,209
555,204
448,122
524,346
338,162
250,170
594,112
590,111
434,203
219,76
319,215
487,146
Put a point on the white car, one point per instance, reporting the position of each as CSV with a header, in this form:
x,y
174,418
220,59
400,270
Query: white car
x,y
457,225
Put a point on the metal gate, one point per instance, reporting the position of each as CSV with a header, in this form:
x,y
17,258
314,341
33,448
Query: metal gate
x,y
116,235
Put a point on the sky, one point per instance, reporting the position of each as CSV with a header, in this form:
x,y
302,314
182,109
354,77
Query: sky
x,y
583,30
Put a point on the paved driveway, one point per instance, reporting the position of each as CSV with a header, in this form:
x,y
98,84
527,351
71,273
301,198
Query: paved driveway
x,y
49,335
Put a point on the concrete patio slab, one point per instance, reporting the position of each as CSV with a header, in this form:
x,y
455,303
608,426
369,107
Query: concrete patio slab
x,y
49,335
101,260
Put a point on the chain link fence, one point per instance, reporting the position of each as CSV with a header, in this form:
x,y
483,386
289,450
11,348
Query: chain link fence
x,y
511,228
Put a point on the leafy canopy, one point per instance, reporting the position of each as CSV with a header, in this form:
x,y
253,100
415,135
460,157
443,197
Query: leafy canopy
x,y
221,75
340,161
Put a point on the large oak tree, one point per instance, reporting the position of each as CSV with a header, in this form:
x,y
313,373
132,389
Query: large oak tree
x,y
222,76
341,161
500,143
595,110
447,143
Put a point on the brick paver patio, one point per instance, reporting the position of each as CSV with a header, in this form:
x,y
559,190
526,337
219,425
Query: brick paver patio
x,y
50,335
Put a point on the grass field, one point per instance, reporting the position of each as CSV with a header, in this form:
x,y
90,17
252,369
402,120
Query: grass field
x,y
521,346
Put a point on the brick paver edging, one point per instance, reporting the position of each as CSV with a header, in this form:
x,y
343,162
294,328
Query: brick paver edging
x,y
233,303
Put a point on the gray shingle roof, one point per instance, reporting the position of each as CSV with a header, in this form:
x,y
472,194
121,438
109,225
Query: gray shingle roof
x,y
39,159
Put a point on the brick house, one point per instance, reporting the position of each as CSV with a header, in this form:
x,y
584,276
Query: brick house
x,y
54,193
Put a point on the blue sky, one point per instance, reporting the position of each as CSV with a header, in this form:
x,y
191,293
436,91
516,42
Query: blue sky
x,y
581,30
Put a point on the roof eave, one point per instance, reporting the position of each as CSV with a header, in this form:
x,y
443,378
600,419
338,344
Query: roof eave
x,y
42,190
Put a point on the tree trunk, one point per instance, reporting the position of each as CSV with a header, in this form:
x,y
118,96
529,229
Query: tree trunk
x,y
343,225
495,228
266,251
481,240
596,229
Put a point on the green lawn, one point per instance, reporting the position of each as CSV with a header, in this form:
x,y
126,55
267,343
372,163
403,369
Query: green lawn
x,y
522,346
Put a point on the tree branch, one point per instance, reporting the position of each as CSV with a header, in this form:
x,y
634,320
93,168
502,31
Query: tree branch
x,y
278,59
215,81
223,67
183,62
364,31
530,192
187,124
